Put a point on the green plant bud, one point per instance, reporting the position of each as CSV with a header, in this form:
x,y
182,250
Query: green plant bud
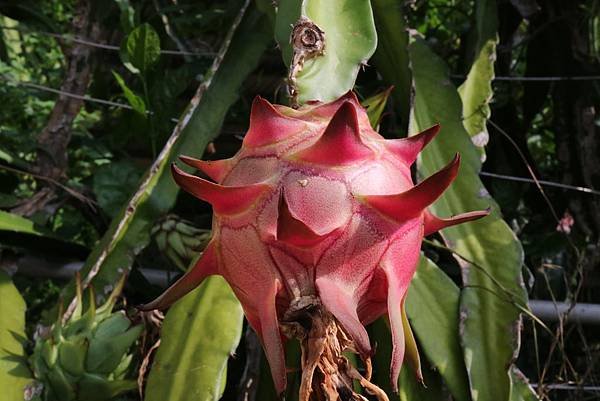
x,y
60,385
94,387
115,324
71,355
121,371
105,354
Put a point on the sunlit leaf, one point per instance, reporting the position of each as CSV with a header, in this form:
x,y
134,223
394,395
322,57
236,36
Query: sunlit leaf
x,y
488,316
199,334
476,92
14,372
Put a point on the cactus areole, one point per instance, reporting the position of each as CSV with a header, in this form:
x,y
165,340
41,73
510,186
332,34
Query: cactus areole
x,y
317,228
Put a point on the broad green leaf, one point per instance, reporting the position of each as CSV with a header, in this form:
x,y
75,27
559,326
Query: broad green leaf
x,y
129,232
199,334
136,102
391,57
435,323
14,372
350,40
476,92
140,50
488,314
375,106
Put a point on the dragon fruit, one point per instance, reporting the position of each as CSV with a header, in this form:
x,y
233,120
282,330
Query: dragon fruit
x,y
317,228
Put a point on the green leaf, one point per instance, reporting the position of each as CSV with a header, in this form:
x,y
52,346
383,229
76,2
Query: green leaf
x,y
113,325
435,324
409,388
113,184
391,57
375,106
134,100
129,231
58,386
71,355
476,92
20,232
488,314
199,334
97,388
14,373
140,50
105,354
350,40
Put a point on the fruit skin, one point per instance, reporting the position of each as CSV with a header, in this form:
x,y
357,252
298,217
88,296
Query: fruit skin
x,y
317,206
86,358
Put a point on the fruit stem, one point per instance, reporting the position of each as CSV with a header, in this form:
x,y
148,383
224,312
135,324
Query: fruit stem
x,y
327,375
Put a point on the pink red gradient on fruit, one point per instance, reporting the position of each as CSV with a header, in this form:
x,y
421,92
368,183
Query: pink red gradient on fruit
x,y
317,204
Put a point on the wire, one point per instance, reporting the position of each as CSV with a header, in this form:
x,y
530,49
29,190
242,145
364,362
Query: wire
x,y
74,95
86,42
542,182
571,387
68,94
538,79
573,78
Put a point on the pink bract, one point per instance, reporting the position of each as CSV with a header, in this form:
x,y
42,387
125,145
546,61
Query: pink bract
x,y
317,207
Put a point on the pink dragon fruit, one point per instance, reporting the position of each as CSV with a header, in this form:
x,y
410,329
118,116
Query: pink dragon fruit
x,y
317,228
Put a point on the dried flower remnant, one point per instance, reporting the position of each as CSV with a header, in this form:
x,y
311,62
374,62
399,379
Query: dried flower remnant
x,y
308,41
317,228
